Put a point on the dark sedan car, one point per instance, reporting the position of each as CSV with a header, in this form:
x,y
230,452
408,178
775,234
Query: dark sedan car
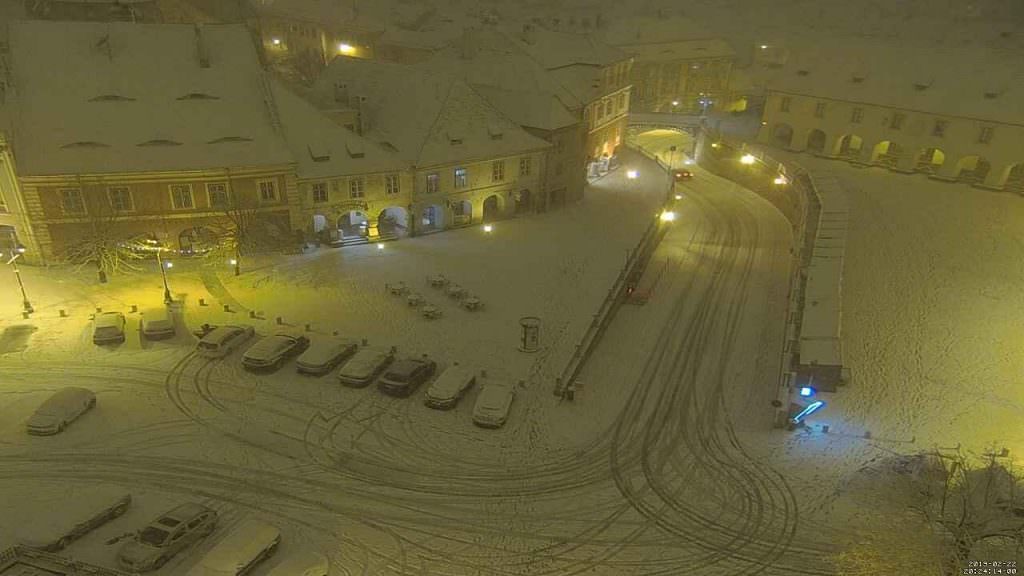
x,y
270,352
405,376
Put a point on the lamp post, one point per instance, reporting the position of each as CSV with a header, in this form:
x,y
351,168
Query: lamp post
x,y
163,273
26,305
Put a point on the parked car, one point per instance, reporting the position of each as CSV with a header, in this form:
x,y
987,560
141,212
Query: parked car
x,y
492,406
61,523
364,367
59,410
108,327
406,375
301,565
681,175
220,341
323,354
169,534
248,544
157,324
449,387
271,351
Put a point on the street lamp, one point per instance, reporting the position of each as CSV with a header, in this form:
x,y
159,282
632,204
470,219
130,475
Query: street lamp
x,y
632,174
747,159
26,305
163,272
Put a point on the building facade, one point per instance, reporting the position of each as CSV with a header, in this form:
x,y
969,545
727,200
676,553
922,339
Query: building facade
x,y
686,77
982,152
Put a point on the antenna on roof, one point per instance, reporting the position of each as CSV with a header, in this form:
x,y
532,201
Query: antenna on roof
x,y
104,44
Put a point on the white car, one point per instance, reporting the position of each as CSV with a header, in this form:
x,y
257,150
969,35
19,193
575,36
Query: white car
x,y
492,405
59,410
108,327
271,351
157,323
449,387
323,354
365,366
301,565
246,545
54,525
220,341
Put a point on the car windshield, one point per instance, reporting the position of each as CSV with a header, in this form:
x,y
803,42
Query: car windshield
x,y
153,536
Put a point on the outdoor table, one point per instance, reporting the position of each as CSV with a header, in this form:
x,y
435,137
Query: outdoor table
x,y
472,303
438,281
431,311
456,291
415,299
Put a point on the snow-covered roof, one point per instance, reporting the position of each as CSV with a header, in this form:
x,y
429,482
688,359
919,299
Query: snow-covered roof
x,y
529,108
555,49
321,148
428,117
679,50
327,13
961,81
625,30
95,97
582,82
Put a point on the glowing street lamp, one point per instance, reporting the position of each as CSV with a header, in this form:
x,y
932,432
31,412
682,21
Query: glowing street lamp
x,y
25,304
632,174
668,216
679,196
675,102
276,41
488,228
346,48
780,179
380,245
764,46
164,266
747,159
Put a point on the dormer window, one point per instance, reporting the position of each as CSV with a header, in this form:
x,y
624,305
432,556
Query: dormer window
x,y
230,139
198,96
921,87
355,150
159,142
857,79
495,131
111,98
319,154
802,72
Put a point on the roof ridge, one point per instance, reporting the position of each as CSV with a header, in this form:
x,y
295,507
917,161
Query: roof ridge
x,y
437,117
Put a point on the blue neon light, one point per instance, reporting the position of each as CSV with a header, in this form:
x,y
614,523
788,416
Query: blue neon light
x,y
810,409
806,391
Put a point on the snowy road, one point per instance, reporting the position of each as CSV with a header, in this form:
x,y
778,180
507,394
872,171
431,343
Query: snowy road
x,y
649,472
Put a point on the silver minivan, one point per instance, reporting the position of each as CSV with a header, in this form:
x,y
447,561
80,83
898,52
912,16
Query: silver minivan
x,y
246,545
365,366
449,387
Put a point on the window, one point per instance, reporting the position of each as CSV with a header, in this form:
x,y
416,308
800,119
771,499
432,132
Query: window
x,y
497,170
784,104
217,192
433,183
857,115
607,107
3,205
461,179
525,164
391,186
356,188
319,192
71,201
181,196
268,191
819,110
897,121
558,168
621,103
985,136
120,198
939,129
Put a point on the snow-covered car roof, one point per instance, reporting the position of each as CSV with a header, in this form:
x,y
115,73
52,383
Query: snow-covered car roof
x,y
243,543
406,366
271,345
109,320
495,396
451,381
324,349
364,359
221,333
64,400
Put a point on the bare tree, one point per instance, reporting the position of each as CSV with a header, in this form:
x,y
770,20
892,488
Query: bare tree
x,y
106,244
241,230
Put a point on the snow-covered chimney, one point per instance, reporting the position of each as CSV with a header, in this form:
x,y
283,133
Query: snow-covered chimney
x,y
529,34
341,93
201,50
